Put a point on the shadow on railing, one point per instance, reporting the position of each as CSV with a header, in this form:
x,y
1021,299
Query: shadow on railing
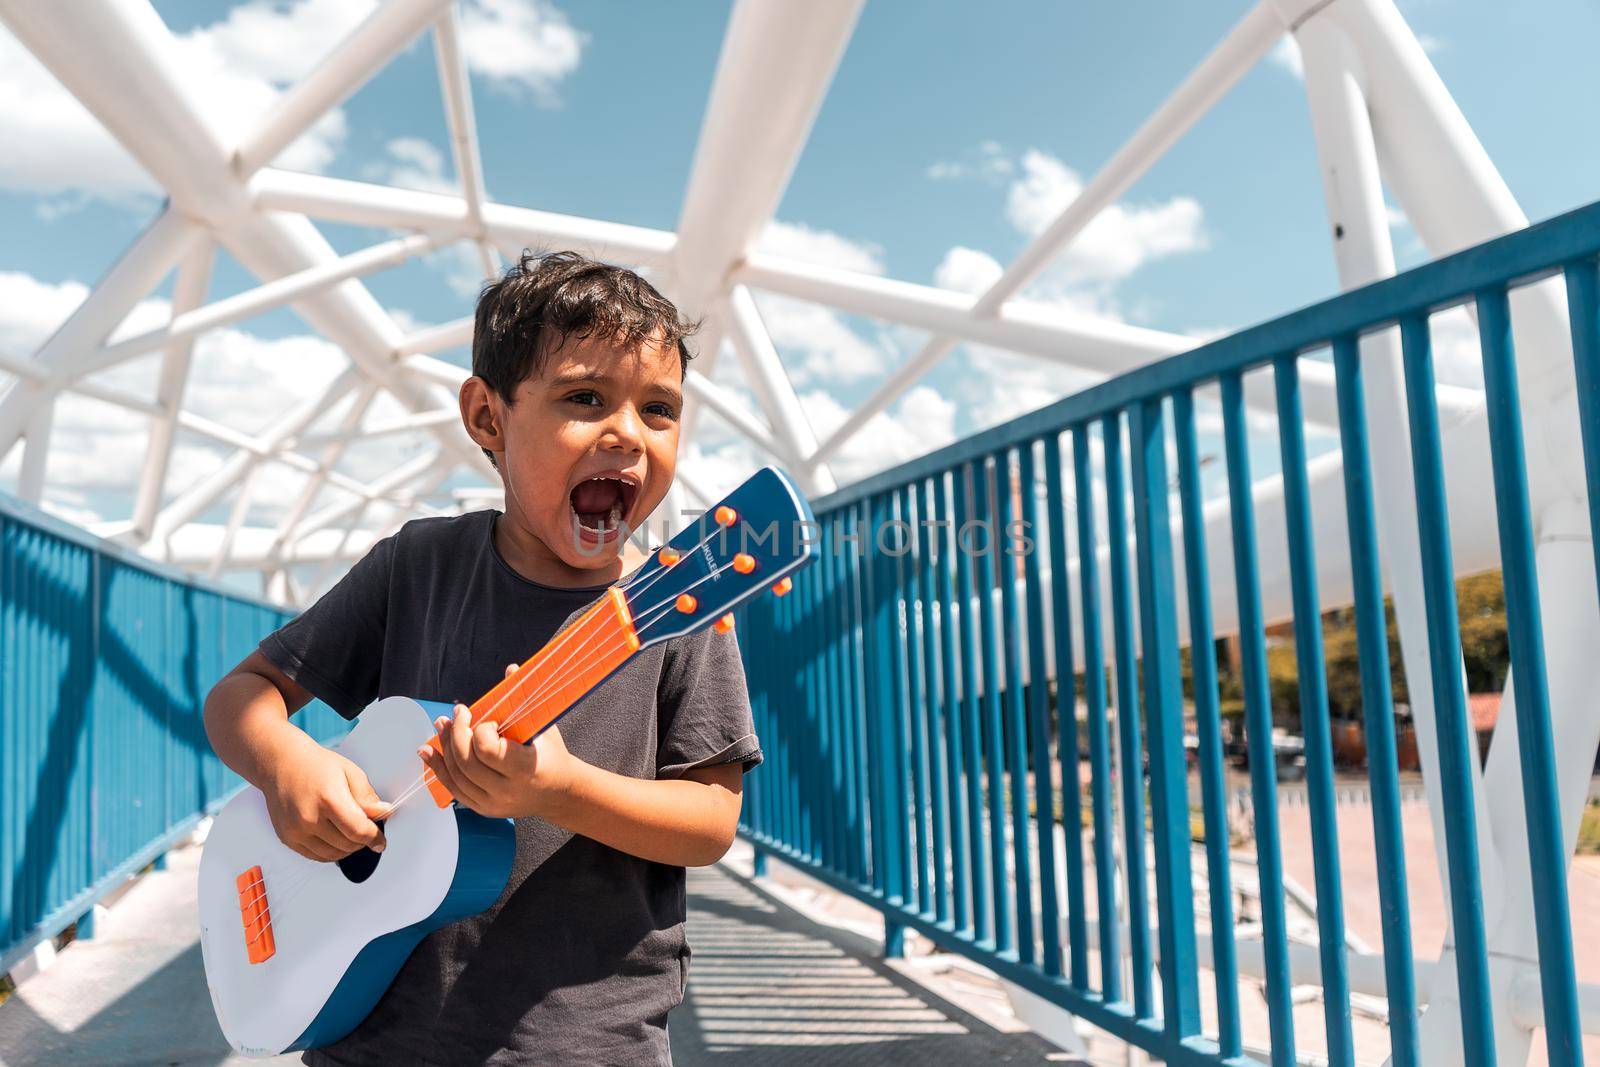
x,y
105,660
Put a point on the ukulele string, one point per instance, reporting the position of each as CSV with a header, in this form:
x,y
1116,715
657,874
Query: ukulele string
x,y
565,671
647,618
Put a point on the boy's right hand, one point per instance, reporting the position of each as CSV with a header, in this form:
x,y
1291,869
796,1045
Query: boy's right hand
x,y
323,807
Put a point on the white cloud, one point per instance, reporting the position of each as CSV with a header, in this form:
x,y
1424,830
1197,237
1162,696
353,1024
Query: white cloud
x,y
521,44
232,70
922,421
967,270
988,162
413,163
818,345
1121,238
799,241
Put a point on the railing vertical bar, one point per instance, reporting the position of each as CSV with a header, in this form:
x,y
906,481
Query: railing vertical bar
x,y
1535,744
1068,749
1132,748
1016,711
1094,697
966,482
911,568
934,704
1313,686
1583,307
994,740
899,746
955,742
855,605
1258,723
1450,699
875,657
822,711
838,709
1039,714
1208,726
1163,692
1377,701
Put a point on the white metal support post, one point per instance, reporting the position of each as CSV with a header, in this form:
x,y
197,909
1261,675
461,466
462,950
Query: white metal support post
x,y
1455,197
1364,253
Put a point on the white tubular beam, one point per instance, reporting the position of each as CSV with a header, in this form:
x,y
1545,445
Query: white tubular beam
x,y
888,391
406,472
1031,329
764,371
451,334
241,508
276,293
774,69
457,90
36,453
194,278
140,270
204,493
355,59
736,415
411,423
1364,253
436,370
366,204
1249,40
1451,192
117,59
330,456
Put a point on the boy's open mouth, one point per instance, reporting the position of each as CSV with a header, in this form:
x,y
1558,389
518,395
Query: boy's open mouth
x,y
599,505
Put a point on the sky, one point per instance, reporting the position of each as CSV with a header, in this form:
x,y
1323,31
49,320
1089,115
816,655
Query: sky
x,y
948,139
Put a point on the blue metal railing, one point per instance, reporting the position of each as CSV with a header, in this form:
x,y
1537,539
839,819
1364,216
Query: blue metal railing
x,y
902,700
105,660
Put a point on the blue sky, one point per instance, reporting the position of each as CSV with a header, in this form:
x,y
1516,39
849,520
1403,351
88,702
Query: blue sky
x,y
947,133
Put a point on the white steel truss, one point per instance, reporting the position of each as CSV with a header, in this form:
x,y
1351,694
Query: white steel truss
x,y
1379,112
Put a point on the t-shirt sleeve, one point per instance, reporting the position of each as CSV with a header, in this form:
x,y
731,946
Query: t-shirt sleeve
x,y
335,647
705,707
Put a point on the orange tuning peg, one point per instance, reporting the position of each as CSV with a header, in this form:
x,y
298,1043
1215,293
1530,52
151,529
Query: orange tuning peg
x,y
687,603
724,625
668,555
782,586
743,562
725,516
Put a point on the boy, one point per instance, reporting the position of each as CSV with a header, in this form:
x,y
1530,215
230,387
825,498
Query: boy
x,y
575,394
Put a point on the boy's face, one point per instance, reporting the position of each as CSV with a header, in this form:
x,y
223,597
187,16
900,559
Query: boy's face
x,y
590,445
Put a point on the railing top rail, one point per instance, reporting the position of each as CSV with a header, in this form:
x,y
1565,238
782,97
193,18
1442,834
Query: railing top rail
x,y
13,508
1518,258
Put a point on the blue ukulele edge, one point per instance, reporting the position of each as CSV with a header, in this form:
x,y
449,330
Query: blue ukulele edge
x,y
483,867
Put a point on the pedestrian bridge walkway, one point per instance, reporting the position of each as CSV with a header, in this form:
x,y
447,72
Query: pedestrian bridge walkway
x,y
767,986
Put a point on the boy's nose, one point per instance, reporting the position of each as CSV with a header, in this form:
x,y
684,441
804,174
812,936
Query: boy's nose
x,y
625,431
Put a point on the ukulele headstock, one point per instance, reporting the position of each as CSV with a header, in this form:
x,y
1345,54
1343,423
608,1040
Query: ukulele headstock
x,y
749,543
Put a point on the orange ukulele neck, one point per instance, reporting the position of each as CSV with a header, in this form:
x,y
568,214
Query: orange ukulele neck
x,y
556,677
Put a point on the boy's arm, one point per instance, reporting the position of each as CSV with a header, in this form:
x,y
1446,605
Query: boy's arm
x,y
321,803
687,821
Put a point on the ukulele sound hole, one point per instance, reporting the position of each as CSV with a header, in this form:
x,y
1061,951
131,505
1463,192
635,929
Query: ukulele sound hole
x,y
359,865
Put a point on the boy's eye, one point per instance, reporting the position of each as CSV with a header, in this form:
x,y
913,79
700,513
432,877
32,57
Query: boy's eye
x,y
586,397
666,411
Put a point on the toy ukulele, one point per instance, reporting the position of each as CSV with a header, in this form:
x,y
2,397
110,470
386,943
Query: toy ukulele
x,y
297,952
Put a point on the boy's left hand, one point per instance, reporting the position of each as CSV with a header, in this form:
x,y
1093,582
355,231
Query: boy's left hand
x,y
494,776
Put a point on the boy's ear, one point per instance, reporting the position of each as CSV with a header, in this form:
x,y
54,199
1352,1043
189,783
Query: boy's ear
x,y
481,414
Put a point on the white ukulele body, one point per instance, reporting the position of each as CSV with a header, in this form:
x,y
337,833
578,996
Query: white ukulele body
x,y
336,943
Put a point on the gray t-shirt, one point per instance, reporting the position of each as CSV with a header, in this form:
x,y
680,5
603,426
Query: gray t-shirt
x,y
584,954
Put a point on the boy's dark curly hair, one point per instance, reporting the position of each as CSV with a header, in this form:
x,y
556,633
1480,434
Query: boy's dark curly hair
x,y
546,298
